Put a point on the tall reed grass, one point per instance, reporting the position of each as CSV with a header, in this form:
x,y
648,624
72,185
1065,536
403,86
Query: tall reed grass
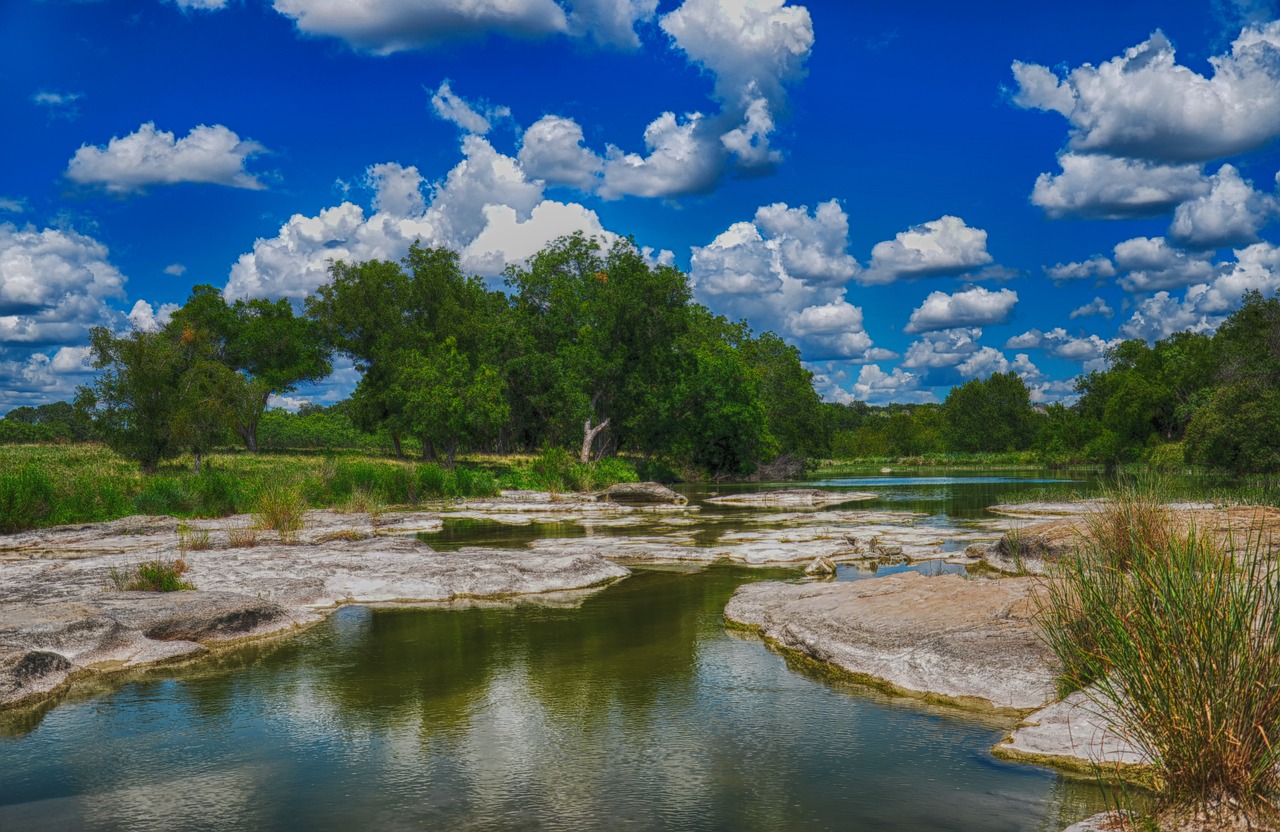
x,y
1178,636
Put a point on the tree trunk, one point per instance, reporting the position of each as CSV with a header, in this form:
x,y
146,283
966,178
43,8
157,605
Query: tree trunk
x,y
197,454
589,436
428,450
395,440
453,450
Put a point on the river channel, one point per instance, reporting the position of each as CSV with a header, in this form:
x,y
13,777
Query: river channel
x,y
629,707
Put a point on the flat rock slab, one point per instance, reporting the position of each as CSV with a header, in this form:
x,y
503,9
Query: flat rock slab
x,y
63,616
1032,549
946,638
792,498
1078,733
643,492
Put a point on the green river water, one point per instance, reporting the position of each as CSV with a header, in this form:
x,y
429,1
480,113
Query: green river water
x,y
625,708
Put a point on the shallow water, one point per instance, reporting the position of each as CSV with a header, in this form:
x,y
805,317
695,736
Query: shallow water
x,y
634,710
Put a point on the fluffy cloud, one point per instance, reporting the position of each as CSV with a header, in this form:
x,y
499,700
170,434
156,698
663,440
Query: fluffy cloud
x,y
750,43
41,377
175,269
1152,264
1204,306
1231,214
59,105
947,348
1096,267
876,386
753,49
1144,105
786,270
680,161
972,307
737,262
202,5
812,247
486,208
610,22
452,108
1106,187
1089,350
387,26
1094,308
833,328
943,246
54,284
552,150
149,156
983,363
146,318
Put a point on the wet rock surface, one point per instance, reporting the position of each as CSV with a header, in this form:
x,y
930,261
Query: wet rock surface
x,y
946,638
60,616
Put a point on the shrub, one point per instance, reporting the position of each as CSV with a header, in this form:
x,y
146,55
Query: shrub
x,y
152,576
242,536
1180,639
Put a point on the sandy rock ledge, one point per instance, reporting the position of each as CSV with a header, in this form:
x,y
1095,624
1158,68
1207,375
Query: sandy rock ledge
x,y
61,616
947,639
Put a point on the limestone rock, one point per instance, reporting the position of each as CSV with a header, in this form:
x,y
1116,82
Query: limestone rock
x,y
643,492
820,566
970,642
1078,733
792,498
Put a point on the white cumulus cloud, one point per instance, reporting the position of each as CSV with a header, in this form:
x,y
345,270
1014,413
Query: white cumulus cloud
x,y
1145,105
944,246
1096,267
54,285
552,150
976,306
1231,214
450,107
1107,187
1094,308
148,156
1152,264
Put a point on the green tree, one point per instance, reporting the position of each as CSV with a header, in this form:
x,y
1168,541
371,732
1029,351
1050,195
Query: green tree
x,y
793,410
596,331
441,399
273,349
990,415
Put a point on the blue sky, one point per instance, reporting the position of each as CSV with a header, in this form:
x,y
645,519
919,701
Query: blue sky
x,y
913,194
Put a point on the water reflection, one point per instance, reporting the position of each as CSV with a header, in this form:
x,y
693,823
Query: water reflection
x,y
636,710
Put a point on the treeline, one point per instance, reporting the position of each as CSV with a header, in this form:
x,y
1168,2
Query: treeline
x,y
1190,399
591,348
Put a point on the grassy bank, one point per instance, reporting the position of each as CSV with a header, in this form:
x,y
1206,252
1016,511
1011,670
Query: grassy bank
x,y
1178,635
48,485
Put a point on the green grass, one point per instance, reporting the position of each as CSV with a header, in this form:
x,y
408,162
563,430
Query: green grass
x,y
48,485
152,576
1180,638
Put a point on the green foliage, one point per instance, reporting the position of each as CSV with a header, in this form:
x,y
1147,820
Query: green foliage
x,y
1181,641
263,347
152,576
559,471
990,415
27,498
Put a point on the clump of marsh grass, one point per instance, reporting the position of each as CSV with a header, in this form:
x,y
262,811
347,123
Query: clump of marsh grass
x,y
192,540
280,507
152,576
1178,637
241,537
